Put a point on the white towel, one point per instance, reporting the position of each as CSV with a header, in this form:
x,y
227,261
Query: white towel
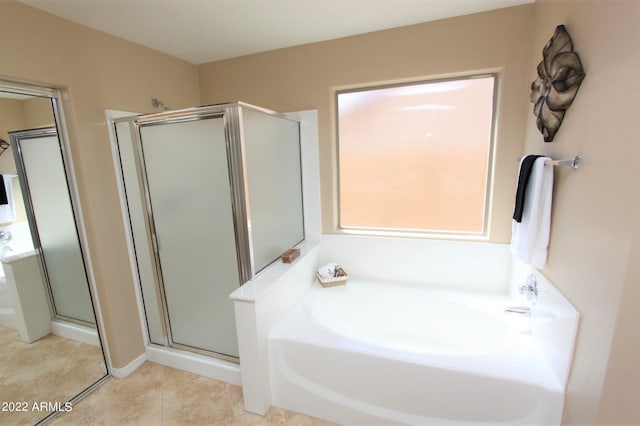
x,y
530,237
8,211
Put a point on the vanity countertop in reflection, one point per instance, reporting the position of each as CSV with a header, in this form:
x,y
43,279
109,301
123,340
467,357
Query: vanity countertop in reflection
x,y
13,256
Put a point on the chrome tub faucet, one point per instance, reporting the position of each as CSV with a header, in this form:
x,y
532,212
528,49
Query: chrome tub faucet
x,y
520,310
530,290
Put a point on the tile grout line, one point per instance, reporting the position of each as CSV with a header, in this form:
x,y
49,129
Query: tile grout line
x,y
162,404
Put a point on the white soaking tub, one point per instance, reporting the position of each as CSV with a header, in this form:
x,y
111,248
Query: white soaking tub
x,y
379,353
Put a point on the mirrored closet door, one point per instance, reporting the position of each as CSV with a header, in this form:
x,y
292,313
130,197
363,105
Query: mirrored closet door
x,y
50,348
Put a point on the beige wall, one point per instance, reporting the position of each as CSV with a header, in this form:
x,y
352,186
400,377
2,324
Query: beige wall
x,y
597,207
305,77
11,118
96,71
621,392
38,113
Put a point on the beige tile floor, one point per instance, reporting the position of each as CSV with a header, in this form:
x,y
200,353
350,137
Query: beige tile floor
x,y
52,369
158,395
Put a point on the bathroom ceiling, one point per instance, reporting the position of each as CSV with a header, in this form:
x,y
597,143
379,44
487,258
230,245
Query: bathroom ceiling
x,y
200,31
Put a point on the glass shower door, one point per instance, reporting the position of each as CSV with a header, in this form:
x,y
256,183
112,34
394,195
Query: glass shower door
x,y
190,209
53,222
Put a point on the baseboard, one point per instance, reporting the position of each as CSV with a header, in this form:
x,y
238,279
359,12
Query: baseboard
x,y
121,373
198,364
75,332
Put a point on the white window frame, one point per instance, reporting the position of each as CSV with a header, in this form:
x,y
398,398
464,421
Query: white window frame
x,y
483,234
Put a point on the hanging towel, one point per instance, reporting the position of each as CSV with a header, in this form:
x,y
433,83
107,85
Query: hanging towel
x,y
8,210
530,236
526,165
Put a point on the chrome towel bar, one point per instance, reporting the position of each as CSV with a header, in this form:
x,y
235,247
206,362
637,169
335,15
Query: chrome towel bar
x,y
574,162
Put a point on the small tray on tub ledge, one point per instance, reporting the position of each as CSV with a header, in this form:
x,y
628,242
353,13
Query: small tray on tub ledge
x,y
334,281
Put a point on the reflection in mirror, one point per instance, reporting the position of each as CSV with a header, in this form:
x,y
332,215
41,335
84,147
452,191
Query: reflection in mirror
x,y
49,344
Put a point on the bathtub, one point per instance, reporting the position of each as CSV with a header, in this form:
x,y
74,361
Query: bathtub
x,y
378,353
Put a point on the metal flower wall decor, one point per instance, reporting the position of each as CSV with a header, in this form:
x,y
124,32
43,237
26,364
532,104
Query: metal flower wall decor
x,y
559,76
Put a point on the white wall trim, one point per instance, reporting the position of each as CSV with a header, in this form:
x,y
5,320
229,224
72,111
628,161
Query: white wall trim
x,y
213,368
111,115
75,332
123,372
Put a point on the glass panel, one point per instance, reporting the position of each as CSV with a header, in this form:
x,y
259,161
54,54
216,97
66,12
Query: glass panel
x,y
54,218
416,157
137,217
272,153
189,190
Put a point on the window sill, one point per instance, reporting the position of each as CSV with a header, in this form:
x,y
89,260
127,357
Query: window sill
x,y
426,235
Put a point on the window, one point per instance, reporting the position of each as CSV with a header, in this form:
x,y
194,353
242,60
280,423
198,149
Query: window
x,y
416,157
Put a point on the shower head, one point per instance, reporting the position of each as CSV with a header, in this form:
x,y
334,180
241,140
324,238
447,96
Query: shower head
x,y
3,145
157,104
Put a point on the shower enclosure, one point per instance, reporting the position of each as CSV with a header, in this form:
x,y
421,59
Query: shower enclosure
x,y
51,217
214,195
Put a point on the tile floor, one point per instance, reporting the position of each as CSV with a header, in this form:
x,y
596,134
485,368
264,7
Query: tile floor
x,y
158,395
52,369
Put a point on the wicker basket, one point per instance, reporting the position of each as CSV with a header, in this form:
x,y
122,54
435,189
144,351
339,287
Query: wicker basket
x,y
333,281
